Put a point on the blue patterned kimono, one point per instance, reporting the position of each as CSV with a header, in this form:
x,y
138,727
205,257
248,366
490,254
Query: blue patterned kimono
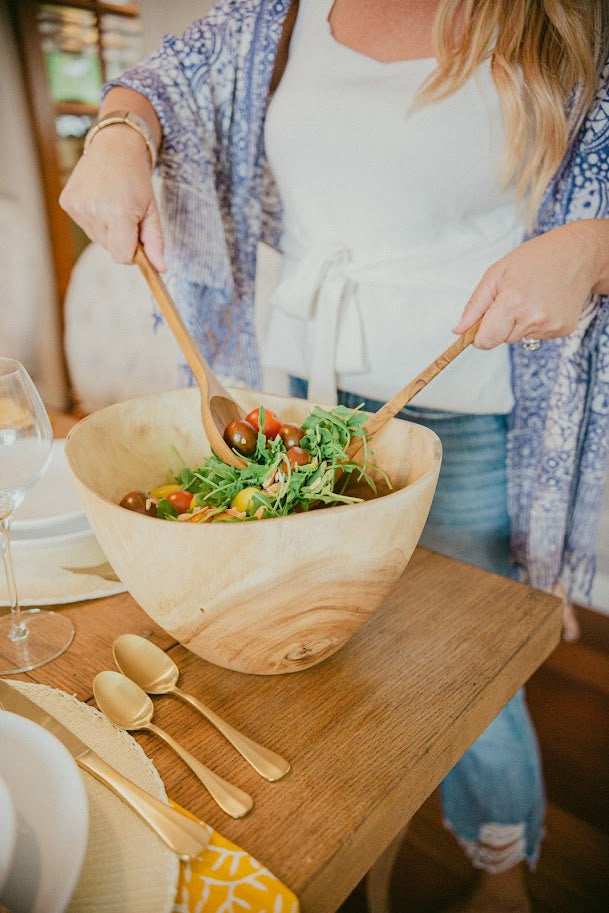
x,y
210,90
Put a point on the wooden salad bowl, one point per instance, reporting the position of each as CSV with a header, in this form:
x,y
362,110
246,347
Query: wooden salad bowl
x,y
268,596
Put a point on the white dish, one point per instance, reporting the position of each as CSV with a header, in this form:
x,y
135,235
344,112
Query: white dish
x,y
127,869
8,831
51,806
22,532
60,533
54,497
61,571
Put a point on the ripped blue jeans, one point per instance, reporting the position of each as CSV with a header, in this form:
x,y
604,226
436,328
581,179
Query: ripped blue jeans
x,y
493,799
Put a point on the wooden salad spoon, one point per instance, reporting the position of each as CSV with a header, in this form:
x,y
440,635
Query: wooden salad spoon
x,y
218,407
128,707
155,672
391,408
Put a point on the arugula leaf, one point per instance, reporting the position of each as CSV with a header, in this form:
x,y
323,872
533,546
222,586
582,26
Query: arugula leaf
x,y
165,510
284,490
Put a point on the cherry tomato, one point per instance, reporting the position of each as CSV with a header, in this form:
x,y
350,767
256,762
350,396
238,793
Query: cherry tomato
x,y
242,436
271,422
163,490
180,499
244,500
291,435
298,457
137,501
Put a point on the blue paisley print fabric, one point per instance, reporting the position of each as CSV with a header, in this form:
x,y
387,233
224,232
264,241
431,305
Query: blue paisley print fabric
x,y
210,90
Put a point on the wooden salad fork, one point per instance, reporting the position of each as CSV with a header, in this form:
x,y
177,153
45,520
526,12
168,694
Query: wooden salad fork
x,y
401,399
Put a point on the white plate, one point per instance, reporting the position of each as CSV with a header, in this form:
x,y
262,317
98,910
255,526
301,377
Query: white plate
x,y
61,571
60,533
51,806
8,831
127,868
53,498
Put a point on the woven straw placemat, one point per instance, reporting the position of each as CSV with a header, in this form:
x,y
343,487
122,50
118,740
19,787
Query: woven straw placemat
x,y
127,868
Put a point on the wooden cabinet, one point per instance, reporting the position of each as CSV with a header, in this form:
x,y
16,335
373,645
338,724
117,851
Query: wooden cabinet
x,y
67,50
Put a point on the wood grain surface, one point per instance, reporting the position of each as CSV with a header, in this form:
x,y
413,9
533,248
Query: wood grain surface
x,y
370,732
262,597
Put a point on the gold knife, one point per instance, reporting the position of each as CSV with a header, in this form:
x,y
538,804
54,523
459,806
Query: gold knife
x,y
184,836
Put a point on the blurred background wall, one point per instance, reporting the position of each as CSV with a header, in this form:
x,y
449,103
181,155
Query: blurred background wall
x,y
160,17
37,240
28,303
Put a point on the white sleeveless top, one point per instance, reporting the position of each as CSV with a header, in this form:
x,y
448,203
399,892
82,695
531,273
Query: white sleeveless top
x,y
390,219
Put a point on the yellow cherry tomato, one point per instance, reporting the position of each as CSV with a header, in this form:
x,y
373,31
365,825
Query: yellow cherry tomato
x,y
163,490
244,500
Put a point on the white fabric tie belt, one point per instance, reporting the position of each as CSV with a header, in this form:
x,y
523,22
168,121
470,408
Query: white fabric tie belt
x,y
318,289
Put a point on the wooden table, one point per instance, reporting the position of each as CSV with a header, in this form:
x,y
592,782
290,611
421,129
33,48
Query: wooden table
x,y
370,732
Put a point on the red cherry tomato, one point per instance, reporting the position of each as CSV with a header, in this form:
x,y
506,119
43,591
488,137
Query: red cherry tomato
x,y
140,502
271,422
298,457
242,436
291,435
181,500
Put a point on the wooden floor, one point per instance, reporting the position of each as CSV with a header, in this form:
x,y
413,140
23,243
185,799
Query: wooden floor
x,y
569,701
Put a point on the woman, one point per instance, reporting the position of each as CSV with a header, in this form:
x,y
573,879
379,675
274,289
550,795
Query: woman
x,y
387,127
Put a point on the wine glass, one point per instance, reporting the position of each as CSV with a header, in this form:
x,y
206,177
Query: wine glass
x,y
28,638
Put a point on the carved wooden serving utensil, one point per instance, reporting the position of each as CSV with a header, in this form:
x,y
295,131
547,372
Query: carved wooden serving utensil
x,y
391,408
218,408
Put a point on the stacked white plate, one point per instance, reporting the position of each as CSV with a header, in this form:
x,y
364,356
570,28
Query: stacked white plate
x,y
45,821
67,843
56,556
51,510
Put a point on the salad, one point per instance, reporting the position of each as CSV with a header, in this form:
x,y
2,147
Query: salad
x,y
290,469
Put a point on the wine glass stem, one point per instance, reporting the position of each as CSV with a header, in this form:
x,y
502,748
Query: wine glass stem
x,y
18,630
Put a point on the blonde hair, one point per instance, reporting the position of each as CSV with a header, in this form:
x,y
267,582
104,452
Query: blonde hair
x,y
546,57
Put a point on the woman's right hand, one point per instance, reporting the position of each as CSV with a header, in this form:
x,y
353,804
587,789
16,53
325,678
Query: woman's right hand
x,y
110,195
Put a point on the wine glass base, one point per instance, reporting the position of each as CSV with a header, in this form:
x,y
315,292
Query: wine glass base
x,y
49,635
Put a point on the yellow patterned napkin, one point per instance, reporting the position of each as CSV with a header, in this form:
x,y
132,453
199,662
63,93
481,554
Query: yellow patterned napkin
x,y
225,878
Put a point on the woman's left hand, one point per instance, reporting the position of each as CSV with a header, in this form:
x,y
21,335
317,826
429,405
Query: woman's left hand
x,y
539,289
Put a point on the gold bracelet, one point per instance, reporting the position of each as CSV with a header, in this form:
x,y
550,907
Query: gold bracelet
x,y
132,120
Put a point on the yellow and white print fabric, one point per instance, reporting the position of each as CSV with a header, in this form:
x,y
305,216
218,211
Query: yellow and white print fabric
x,y
226,879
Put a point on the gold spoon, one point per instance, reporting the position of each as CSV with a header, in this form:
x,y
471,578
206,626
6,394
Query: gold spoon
x,y
218,408
150,667
128,707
